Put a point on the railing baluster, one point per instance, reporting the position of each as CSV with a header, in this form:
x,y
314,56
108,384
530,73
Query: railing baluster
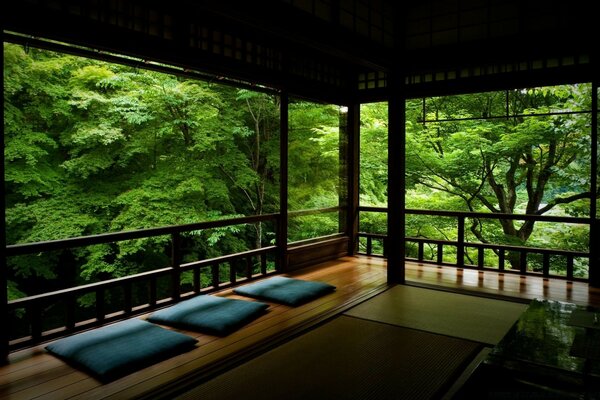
x,y
440,253
232,272
153,294
501,259
546,264
36,321
215,272
263,264
369,245
175,263
460,246
197,286
570,266
100,305
70,305
523,261
420,255
127,291
480,257
249,267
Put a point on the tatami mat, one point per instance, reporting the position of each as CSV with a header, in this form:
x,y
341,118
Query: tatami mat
x,y
469,317
347,358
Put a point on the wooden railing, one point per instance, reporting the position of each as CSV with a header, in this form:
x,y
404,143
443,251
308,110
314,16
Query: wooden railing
x,y
33,306
462,246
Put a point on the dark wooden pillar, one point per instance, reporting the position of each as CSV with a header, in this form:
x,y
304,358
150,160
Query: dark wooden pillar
x,y
353,170
283,182
396,185
4,337
594,266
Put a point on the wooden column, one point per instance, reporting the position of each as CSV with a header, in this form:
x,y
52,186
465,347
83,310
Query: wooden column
x,y
282,224
396,185
353,171
594,266
4,336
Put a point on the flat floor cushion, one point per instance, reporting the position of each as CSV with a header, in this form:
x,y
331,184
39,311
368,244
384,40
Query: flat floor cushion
x,y
116,350
288,291
210,314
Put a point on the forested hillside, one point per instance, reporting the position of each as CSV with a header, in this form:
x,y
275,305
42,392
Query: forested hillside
x,y
94,147
522,151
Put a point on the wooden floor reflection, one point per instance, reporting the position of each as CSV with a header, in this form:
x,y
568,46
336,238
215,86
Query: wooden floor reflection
x,y
503,284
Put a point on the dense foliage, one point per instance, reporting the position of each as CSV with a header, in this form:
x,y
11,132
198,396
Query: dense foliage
x,y
93,147
518,151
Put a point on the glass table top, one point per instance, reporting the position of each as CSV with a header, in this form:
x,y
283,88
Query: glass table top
x,y
552,337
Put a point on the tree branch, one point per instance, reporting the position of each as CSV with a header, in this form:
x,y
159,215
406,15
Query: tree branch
x,y
565,200
238,185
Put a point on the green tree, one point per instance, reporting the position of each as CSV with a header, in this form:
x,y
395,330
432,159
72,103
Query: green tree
x,y
512,162
314,180
93,147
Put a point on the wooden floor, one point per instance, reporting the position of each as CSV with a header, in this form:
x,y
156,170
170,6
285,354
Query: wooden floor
x,y
502,284
35,374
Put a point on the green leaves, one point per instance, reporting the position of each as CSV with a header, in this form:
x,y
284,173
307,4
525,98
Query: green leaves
x,y
516,162
92,147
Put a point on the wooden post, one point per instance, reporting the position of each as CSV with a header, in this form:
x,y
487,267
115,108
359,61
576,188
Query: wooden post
x,y
282,223
352,176
4,335
396,185
594,265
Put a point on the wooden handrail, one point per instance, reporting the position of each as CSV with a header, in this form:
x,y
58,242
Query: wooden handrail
x,y
540,250
27,248
79,290
313,211
227,258
469,214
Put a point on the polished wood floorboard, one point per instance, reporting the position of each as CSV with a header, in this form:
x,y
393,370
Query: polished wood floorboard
x,y
35,374
502,284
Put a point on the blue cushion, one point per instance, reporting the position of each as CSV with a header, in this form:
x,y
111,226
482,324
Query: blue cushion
x,y
288,291
120,349
210,314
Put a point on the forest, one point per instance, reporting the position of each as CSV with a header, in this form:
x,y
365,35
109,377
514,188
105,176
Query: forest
x,y
94,147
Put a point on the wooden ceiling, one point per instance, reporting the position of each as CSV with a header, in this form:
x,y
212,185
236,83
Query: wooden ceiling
x,y
332,50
